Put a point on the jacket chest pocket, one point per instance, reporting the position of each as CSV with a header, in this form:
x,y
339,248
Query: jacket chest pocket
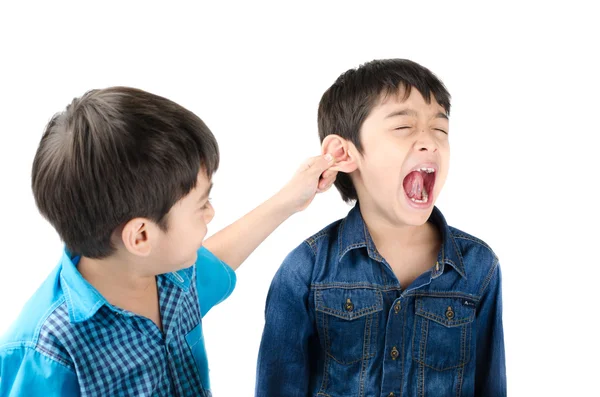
x,y
442,332
347,320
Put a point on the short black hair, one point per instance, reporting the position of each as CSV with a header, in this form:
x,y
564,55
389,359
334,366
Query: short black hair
x,y
347,103
113,155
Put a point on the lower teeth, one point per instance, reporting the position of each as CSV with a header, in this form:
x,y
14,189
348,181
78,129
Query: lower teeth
x,y
424,195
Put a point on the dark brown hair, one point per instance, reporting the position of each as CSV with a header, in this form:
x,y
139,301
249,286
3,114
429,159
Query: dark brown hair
x,y
348,102
113,155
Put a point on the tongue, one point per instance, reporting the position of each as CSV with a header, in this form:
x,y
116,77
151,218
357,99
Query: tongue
x,y
413,185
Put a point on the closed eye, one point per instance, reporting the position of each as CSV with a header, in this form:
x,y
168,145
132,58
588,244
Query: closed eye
x,y
439,129
401,128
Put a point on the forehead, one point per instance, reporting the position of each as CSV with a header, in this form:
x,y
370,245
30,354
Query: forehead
x,y
203,179
199,192
391,102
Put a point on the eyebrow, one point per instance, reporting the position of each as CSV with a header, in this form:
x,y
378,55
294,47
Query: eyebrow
x,y
206,193
410,112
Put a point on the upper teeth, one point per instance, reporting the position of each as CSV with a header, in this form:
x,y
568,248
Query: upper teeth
x,y
427,170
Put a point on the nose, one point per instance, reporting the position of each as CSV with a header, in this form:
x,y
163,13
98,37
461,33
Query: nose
x,y
209,214
425,142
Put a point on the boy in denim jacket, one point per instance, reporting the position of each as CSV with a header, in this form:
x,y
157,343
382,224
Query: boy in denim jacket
x,y
124,176
389,301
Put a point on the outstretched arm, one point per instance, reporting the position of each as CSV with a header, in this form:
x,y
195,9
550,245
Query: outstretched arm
x,y
237,241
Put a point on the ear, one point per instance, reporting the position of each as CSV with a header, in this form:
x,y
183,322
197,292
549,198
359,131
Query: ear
x,y
136,236
341,150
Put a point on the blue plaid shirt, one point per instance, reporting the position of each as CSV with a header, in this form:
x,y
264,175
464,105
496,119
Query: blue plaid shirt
x,y
70,341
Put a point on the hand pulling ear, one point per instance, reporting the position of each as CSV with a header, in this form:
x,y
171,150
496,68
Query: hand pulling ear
x,y
338,147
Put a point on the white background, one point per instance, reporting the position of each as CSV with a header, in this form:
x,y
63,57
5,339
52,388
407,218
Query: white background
x,y
524,135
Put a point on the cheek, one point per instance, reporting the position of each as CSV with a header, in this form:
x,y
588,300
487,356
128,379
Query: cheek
x,y
441,180
200,230
444,149
385,155
383,172
445,159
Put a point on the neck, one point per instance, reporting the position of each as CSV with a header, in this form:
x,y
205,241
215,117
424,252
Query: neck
x,y
386,233
116,279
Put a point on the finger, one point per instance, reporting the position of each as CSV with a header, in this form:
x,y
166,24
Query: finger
x,y
328,179
326,182
318,164
329,173
308,163
335,168
325,187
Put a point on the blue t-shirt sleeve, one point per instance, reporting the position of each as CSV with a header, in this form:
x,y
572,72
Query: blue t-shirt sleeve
x,y
215,280
27,372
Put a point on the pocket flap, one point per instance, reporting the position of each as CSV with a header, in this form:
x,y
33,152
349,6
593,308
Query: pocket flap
x,y
348,303
450,312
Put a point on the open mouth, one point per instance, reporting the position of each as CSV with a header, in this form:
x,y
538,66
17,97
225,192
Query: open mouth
x,y
418,185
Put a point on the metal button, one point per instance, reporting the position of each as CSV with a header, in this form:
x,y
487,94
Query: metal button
x,y
391,394
449,313
349,306
397,307
394,353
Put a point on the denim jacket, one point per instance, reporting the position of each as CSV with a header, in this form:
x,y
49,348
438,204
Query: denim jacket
x,y
339,324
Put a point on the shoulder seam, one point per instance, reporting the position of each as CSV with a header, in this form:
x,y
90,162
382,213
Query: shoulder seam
x,y
48,313
489,277
476,241
37,349
33,339
313,239
61,301
322,233
311,245
54,357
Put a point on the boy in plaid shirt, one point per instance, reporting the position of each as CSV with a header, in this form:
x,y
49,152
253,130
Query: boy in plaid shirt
x,y
124,177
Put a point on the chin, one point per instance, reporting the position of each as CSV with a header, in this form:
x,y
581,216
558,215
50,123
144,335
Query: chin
x,y
185,264
193,260
419,219
414,215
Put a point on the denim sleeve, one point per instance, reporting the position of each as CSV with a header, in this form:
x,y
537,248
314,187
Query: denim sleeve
x,y
490,372
26,372
284,356
215,280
